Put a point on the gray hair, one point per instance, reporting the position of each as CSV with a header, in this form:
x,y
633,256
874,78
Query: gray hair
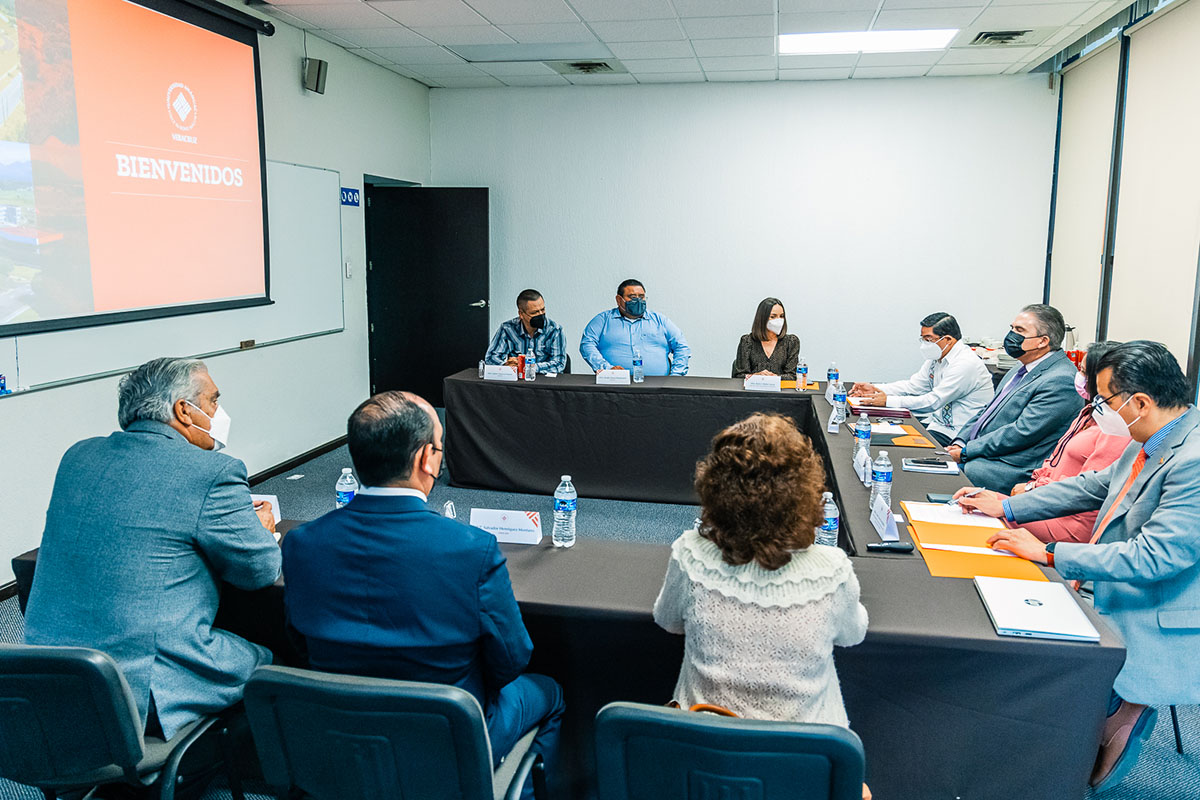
x,y
151,390
1050,323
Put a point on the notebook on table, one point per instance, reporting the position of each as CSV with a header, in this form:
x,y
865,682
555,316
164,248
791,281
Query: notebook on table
x,y
1035,610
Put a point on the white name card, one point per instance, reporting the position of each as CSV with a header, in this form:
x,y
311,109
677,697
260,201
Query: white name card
x,y
762,383
514,527
612,377
884,521
499,372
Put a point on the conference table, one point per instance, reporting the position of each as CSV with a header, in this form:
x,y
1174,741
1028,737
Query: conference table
x,y
944,706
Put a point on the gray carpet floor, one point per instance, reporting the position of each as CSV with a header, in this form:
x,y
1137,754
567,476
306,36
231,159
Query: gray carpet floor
x,y
307,492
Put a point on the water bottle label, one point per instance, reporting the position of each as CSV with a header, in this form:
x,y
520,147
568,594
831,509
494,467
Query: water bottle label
x,y
881,475
839,398
833,375
862,433
637,362
344,497
564,505
830,525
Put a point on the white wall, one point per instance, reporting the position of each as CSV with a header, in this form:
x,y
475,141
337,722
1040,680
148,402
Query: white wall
x,y
864,205
285,399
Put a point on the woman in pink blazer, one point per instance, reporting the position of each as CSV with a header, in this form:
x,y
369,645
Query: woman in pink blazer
x,y
1082,448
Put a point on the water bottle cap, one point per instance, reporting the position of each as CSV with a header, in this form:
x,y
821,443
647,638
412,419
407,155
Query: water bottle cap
x,y
882,453
826,496
565,478
863,416
346,470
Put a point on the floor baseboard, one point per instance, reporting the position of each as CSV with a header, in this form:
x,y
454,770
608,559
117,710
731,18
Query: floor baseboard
x,y
292,463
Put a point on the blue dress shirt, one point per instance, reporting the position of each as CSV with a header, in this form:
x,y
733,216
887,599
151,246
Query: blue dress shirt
x,y
512,340
609,340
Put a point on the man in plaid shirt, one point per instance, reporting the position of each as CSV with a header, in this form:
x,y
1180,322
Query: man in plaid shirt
x,y
531,327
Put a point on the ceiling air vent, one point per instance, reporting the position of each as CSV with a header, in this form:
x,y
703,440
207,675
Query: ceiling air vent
x,y
1002,39
590,67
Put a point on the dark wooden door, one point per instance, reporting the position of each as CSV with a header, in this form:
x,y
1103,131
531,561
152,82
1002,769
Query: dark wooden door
x,y
427,285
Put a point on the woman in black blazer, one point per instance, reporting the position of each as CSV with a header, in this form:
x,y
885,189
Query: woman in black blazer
x,y
768,349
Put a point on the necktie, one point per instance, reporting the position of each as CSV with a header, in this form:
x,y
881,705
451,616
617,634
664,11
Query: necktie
x,y
996,401
1138,463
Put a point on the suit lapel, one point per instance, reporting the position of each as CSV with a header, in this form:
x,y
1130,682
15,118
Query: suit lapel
x,y
1030,378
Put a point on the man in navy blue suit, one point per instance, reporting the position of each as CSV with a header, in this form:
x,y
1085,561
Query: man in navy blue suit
x,y
386,587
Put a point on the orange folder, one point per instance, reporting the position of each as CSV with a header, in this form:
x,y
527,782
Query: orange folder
x,y
951,564
913,439
810,386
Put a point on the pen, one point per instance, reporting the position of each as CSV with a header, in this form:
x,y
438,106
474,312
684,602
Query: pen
x,y
971,493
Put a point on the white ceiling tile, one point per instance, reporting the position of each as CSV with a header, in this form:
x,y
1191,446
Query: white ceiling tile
x,y
985,55
535,80
374,58
507,12
743,75
465,34
440,71
809,6
831,22
393,36
925,19
810,62
336,15
584,80
516,69
1097,13
895,4
416,56
738,63
408,73
650,30
624,50
290,19
760,46
1064,36
953,70
919,58
723,8
889,72
623,9
728,27
480,82
322,2
549,33
332,38
429,12
822,74
670,77
1029,16
662,65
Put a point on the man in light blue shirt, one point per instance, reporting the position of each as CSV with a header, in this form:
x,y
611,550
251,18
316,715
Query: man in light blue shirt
x,y
611,337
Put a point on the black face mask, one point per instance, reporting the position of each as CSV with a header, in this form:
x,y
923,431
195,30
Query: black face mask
x,y
1013,342
538,322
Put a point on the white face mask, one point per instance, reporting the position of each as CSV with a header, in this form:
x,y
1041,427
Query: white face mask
x,y
1109,421
775,325
1081,385
931,350
218,426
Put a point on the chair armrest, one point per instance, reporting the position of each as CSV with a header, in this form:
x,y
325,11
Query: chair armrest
x,y
528,762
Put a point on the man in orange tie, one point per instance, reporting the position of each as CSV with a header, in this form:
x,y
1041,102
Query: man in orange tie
x,y
1144,556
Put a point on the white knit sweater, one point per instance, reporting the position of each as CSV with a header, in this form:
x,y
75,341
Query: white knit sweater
x,y
760,642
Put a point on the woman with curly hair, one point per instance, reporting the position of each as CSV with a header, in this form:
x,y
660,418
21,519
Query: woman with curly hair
x,y
760,604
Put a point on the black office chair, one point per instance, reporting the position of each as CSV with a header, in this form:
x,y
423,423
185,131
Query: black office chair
x,y
69,723
567,370
669,754
343,737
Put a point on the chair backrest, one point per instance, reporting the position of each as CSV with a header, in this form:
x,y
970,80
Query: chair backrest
x,y
667,754
66,716
343,737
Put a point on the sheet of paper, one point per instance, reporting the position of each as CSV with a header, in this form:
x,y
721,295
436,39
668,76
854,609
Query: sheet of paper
x,y
274,501
612,377
962,548
887,429
944,514
499,372
516,527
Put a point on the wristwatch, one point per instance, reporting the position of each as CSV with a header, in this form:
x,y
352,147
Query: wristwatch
x,y
1050,553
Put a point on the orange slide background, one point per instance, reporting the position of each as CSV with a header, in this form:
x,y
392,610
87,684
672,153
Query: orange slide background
x,y
163,242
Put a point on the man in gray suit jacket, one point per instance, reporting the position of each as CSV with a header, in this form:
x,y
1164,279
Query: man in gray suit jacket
x,y
142,525
1005,442
1144,558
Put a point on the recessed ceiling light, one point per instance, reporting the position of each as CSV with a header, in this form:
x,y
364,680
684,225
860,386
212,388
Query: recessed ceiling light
x,y
865,41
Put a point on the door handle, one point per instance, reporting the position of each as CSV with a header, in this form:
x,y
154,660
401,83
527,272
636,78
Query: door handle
x,y
478,304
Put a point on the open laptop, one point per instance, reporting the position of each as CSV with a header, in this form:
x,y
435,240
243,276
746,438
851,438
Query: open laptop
x,y
1034,609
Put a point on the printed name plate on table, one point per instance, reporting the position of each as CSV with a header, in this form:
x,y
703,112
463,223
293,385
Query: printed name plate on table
x,y
514,527
884,521
275,512
762,383
499,372
612,377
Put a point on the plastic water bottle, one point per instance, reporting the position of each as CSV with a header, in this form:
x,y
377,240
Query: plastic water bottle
x,y
481,366
530,365
862,435
828,532
839,401
801,374
346,487
638,374
881,479
565,500
832,375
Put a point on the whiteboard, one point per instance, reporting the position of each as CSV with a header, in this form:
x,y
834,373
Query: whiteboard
x,y
305,235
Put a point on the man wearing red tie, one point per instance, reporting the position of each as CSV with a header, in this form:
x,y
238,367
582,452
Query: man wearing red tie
x,y
1144,556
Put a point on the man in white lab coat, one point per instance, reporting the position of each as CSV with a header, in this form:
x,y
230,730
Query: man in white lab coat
x,y
949,389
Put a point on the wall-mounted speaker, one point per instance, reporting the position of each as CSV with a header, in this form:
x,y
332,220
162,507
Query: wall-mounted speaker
x,y
312,73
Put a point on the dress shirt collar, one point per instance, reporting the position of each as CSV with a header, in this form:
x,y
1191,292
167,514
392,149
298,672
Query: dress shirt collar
x,y
393,491
1155,442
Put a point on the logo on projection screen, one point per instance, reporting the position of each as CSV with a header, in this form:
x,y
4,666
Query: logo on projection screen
x,y
181,106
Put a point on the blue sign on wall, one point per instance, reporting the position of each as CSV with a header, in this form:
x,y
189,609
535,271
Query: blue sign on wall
x,y
350,197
